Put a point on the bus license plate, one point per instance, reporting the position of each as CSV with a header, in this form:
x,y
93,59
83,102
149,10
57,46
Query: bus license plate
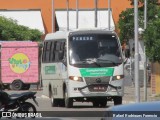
x,y
99,88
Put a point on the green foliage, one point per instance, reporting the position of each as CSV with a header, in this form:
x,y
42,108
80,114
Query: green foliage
x,y
10,30
126,24
139,1
142,1
151,36
152,40
126,21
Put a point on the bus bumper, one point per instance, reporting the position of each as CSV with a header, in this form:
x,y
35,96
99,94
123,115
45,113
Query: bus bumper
x,y
85,92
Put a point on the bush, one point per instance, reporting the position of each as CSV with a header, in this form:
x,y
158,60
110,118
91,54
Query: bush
x,y
10,30
152,40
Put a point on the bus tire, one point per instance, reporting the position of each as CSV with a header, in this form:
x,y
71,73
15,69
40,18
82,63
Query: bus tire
x,y
68,101
61,103
16,85
117,100
95,103
103,103
54,102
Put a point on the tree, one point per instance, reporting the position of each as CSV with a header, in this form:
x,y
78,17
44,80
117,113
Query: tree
x,y
10,30
142,1
126,25
151,38
151,35
126,22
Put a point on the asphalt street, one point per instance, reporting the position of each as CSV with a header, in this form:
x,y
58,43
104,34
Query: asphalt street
x,y
80,111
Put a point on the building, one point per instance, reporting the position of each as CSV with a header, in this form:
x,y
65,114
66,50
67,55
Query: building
x,y
46,7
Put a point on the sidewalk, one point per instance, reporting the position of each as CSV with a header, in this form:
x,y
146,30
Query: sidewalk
x,y
129,95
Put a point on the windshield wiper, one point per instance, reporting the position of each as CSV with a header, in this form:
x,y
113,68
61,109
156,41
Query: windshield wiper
x,y
107,60
92,60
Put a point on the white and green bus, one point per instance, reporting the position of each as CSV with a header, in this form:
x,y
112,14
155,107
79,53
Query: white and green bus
x,y
83,65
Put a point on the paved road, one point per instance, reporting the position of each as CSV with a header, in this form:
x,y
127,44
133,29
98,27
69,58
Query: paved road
x,y
85,109
79,109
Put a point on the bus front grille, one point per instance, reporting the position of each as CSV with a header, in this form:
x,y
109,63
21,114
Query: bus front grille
x,y
99,83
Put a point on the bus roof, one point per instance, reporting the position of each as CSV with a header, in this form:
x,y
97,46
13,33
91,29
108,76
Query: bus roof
x,y
64,34
56,35
94,30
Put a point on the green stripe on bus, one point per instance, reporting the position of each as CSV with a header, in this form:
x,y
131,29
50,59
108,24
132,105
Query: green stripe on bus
x,y
50,69
94,72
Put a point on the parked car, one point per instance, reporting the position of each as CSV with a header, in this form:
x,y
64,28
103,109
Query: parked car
x,y
134,111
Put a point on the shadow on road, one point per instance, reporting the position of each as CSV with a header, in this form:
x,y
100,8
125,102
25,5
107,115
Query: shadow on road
x,y
84,106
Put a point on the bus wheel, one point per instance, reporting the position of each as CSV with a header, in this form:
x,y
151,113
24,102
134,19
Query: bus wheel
x,y
62,103
54,102
16,85
95,103
68,101
117,100
103,103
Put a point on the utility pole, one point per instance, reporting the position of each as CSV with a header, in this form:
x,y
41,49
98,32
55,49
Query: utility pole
x,y
96,2
136,75
53,17
145,14
67,15
109,7
145,59
77,7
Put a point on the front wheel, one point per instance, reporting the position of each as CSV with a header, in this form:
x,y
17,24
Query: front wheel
x,y
54,102
99,103
27,108
117,100
68,101
103,103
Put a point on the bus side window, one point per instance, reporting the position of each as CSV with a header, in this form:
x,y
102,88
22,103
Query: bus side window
x,y
61,52
46,52
57,51
53,51
52,54
48,48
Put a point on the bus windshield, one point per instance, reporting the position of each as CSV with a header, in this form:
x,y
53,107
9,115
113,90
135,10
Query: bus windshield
x,y
92,50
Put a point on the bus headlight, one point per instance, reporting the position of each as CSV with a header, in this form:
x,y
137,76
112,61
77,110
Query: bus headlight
x,y
118,77
75,78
